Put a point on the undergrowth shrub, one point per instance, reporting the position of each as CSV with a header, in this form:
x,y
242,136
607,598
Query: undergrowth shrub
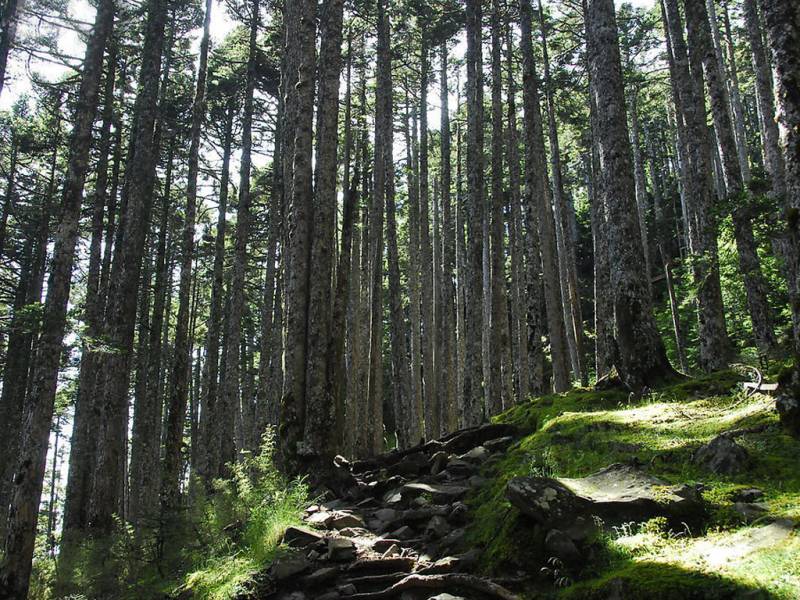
x,y
212,547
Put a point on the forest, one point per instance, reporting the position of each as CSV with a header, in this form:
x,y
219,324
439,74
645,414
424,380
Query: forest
x,y
413,299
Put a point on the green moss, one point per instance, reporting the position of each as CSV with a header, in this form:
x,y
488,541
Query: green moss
x,y
577,433
658,581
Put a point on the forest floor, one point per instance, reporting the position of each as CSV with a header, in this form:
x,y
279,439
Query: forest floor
x,y
439,519
725,554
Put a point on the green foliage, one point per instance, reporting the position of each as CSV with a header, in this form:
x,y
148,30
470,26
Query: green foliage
x,y
212,549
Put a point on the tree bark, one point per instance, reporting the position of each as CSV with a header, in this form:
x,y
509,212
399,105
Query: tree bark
x,y
38,410
566,249
448,393
181,367
700,42
782,19
209,466
499,388
641,359
472,410
715,346
125,277
319,435
428,339
537,203
301,56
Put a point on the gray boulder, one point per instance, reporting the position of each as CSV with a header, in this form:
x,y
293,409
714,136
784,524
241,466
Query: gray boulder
x,y
559,544
619,493
722,456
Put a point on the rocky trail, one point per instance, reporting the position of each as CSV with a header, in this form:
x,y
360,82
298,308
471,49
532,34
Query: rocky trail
x,y
396,529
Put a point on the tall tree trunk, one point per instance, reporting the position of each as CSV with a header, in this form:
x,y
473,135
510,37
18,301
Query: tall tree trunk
x,y
448,392
179,378
428,341
566,249
38,410
210,404
337,364
415,308
783,32
126,274
146,430
537,204
82,444
472,411
301,50
319,435
641,359
499,388
8,32
715,347
8,200
700,42
525,370
14,377
737,108
231,390
383,156
765,97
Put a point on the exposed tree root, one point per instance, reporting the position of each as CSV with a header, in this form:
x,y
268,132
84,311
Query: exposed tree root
x,y
446,583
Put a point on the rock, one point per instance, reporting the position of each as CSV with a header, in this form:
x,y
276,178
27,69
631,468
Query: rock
x,y
386,514
320,518
788,407
381,545
294,596
469,438
547,501
750,511
440,493
477,455
719,552
404,533
343,520
300,537
560,545
458,513
393,497
748,495
446,596
452,564
353,532
453,538
722,456
288,566
321,576
332,595
382,566
616,494
347,589
476,481
419,502
438,462
437,527
393,550
460,468
341,549
498,444
582,529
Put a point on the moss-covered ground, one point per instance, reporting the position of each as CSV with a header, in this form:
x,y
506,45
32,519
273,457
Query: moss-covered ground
x,y
577,433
